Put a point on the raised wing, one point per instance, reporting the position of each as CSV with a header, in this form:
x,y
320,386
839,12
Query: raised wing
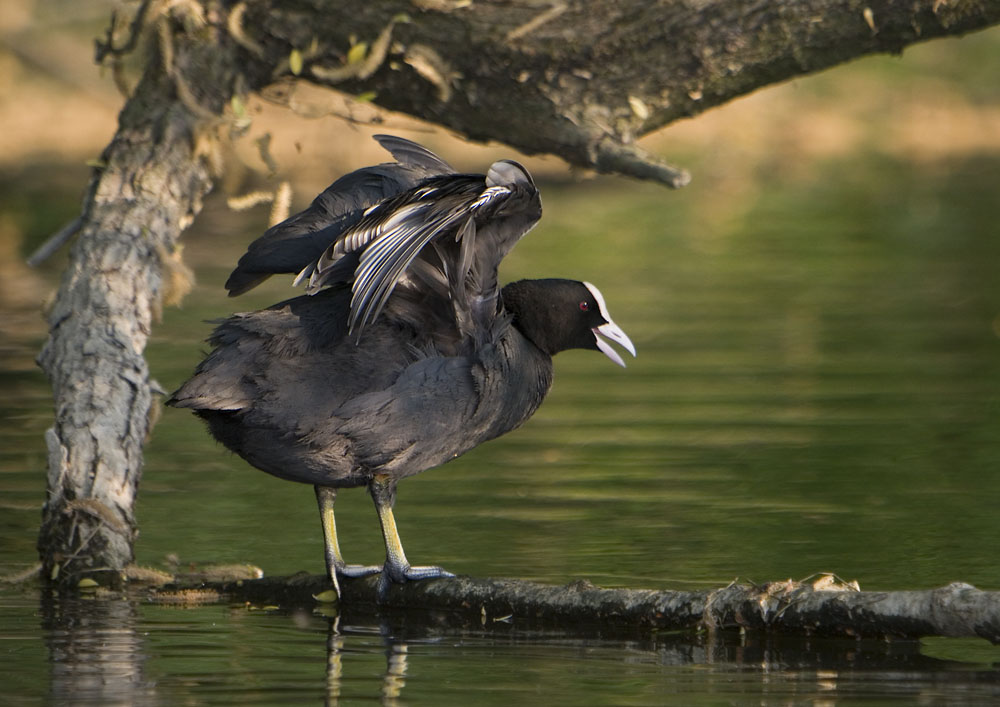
x,y
299,240
443,238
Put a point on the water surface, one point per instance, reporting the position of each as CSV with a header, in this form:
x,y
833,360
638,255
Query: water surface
x,y
817,389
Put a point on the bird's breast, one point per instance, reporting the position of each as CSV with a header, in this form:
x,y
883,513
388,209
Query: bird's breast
x,y
513,379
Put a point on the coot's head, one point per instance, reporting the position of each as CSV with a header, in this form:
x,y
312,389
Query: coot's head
x,y
556,315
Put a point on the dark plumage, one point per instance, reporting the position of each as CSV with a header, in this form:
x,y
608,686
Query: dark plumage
x,y
405,352
300,240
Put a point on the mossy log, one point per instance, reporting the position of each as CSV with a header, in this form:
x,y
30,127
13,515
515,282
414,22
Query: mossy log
x,y
824,607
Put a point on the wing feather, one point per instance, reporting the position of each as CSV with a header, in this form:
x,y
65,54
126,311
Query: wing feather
x,y
384,261
298,241
411,153
470,221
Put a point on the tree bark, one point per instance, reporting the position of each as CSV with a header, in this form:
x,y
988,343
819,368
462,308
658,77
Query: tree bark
x,y
146,191
578,79
824,607
584,79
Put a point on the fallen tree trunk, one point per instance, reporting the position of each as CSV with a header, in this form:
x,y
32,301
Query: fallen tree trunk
x,y
820,608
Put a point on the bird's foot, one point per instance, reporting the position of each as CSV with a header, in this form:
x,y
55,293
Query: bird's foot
x,y
427,572
357,570
398,574
342,569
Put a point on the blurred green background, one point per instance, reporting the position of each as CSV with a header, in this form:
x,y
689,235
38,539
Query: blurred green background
x,y
817,319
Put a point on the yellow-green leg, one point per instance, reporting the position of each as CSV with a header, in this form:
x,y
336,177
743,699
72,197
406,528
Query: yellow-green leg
x,y
397,569
325,497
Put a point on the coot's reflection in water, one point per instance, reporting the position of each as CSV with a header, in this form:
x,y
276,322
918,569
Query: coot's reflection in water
x,y
394,677
127,651
100,653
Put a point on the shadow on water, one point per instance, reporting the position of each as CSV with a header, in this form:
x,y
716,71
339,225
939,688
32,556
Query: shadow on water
x,y
122,651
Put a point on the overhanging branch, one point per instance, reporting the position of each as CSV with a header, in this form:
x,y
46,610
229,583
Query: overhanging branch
x,y
590,79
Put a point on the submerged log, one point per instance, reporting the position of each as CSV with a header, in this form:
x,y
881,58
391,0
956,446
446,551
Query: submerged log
x,y
823,607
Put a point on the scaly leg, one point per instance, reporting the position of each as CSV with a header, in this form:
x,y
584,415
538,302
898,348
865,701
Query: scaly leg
x,y
325,496
397,569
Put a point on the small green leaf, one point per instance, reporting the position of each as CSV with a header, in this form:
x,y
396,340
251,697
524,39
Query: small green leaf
x,y
366,97
357,53
87,583
295,62
327,597
97,163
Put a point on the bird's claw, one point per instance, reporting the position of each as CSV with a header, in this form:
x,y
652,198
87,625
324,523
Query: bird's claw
x,y
341,569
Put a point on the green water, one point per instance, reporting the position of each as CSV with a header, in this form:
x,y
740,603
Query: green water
x,y
817,389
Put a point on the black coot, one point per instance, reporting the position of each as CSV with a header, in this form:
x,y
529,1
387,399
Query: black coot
x,y
405,352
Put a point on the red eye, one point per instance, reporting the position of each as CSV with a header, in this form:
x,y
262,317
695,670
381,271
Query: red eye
x,y
584,306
